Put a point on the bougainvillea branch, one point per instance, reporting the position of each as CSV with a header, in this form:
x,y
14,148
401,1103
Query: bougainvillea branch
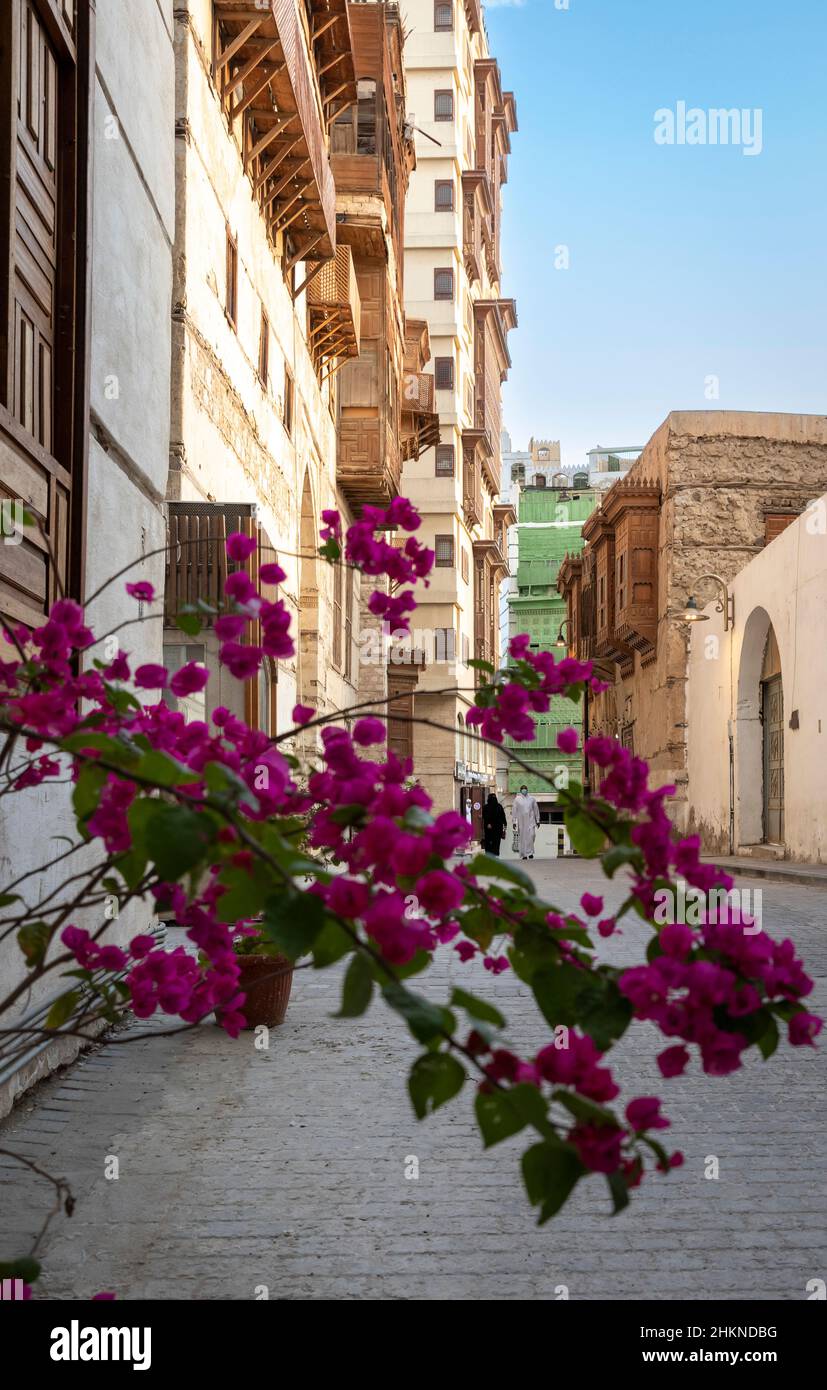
x,y
332,853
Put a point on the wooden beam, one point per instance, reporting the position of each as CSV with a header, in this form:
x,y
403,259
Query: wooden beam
x,y
306,281
332,63
266,140
323,28
239,42
239,78
303,252
281,223
273,164
333,95
272,71
273,193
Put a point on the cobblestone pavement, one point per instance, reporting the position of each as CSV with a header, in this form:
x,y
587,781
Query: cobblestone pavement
x,y
241,1168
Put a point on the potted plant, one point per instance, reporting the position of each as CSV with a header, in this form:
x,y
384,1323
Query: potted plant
x,y
266,978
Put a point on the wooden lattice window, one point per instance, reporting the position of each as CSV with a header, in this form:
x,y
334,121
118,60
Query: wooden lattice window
x,y
444,104
444,549
443,16
444,465
443,195
444,373
444,283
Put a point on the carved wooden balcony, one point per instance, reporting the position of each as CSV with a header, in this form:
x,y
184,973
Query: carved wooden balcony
x,y
633,509
282,74
335,311
420,423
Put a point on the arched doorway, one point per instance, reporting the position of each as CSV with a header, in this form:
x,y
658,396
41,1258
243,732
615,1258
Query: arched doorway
x,y
760,735
308,617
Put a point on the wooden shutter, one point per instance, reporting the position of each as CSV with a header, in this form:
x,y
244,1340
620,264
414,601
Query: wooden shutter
x,y
44,46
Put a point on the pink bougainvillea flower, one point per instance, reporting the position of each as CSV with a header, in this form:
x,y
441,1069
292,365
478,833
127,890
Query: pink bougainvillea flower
x,y
367,731
607,926
189,679
141,590
302,714
644,1113
272,574
567,740
151,677
497,964
439,892
674,1060
229,626
241,661
803,1028
239,547
591,905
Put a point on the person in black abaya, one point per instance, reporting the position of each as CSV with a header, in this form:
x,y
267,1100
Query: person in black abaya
x,y
493,825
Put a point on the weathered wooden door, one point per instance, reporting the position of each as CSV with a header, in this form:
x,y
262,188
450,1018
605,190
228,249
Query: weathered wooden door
x,y
773,707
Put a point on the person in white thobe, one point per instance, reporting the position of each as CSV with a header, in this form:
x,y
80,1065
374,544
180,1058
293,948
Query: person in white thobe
x,y
525,816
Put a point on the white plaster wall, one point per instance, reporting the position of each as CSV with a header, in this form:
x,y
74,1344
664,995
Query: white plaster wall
x,y
131,272
788,580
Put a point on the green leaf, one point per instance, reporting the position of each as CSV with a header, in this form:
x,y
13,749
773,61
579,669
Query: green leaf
x,y
164,771
425,1020
480,924
87,790
6,899
26,1269
768,1041
615,858
586,837
602,1011
501,1113
550,1173
177,839
190,623
435,1078
294,922
587,1111
477,1008
477,664
33,940
556,990
618,1190
62,1009
116,751
331,944
489,866
357,990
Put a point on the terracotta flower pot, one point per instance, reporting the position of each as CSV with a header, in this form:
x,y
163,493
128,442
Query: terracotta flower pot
x,y
267,991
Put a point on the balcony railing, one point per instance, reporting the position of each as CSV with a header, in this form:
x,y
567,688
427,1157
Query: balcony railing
x,y
420,423
335,310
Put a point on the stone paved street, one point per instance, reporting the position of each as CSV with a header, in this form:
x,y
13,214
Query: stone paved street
x,y
286,1168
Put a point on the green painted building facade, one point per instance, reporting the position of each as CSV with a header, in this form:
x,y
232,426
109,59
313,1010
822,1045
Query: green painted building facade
x,y
549,526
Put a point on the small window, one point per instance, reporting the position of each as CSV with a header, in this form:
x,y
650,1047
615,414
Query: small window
x,y
264,349
444,373
444,547
444,461
464,564
445,644
444,283
287,403
444,105
443,195
443,16
338,622
231,295
466,649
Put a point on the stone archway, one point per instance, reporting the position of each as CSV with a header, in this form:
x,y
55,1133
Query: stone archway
x,y
759,736
308,619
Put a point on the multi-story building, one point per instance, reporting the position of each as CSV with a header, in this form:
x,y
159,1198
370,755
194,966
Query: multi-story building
x,y
87,221
464,123
549,527
710,490
289,347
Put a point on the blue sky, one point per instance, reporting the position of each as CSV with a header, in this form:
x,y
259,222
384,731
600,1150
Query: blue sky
x,y
686,262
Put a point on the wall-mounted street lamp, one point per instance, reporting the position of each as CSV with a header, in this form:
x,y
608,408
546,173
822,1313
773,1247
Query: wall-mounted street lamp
x,y
560,640
725,604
